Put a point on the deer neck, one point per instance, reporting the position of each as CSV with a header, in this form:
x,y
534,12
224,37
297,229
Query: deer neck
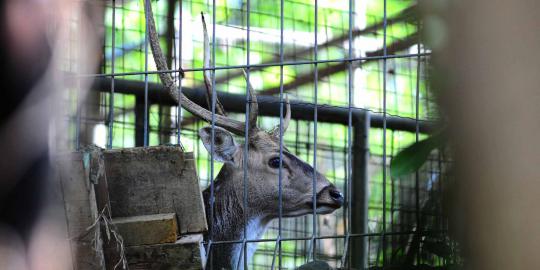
x,y
230,223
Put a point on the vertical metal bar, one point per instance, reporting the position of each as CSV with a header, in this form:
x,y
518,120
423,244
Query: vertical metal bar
x,y
161,112
280,175
179,108
296,248
440,160
164,111
315,112
140,101
383,232
359,188
304,219
246,145
140,106
392,193
213,128
280,208
139,120
349,143
164,114
146,74
417,132
111,97
280,187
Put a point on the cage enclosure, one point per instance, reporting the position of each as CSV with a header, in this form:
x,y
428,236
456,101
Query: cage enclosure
x,y
347,80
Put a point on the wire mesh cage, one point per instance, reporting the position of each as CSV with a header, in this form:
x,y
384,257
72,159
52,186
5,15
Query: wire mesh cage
x,y
356,73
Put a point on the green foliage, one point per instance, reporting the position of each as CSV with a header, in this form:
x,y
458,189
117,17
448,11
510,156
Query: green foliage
x,y
411,158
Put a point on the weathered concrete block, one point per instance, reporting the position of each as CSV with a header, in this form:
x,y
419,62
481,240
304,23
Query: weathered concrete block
x,y
154,180
185,254
148,229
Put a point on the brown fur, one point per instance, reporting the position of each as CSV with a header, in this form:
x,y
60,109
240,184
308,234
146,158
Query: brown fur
x,y
230,218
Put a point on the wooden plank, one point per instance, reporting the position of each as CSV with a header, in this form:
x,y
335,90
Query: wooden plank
x,y
98,177
155,180
187,254
148,229
80,210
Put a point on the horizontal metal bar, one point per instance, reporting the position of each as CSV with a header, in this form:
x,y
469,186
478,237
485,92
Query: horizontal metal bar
x,y
268,105
352,235
263,65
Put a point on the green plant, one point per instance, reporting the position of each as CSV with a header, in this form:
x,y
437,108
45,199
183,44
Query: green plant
x,y
415,155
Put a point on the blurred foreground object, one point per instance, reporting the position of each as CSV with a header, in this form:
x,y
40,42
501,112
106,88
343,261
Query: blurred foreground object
x,y
33,35
488,70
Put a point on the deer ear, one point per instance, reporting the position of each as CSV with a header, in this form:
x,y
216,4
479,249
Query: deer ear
x,y
224,145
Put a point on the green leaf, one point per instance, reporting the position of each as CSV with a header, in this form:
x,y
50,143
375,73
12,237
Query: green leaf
x,y
415,155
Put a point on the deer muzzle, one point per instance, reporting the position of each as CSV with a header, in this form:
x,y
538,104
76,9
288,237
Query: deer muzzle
x,y
329,199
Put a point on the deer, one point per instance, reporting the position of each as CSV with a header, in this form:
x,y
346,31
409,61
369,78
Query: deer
x,y
229,219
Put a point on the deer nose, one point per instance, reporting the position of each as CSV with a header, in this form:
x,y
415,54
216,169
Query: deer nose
x,y
336,196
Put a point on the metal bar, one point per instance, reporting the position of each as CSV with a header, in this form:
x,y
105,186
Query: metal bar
x,y
139,120
417,132
268,105
359,189
247,106
392,197
281,131
350,106
145,128
213,126
169,32
179,108
165,123
315,111
341,236
383,231
111,96
287,63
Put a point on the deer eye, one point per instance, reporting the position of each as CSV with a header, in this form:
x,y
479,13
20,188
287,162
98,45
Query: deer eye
x,y
274,162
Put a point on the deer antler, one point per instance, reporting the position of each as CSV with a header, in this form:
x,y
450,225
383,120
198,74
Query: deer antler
x,y
232,125
254,107
286,120
220,117
206,72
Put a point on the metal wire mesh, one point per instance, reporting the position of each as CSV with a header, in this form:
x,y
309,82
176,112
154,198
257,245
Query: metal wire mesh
x,y
358,55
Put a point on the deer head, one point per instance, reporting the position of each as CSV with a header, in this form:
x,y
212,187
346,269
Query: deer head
x,y
300,185
299,180
263,169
